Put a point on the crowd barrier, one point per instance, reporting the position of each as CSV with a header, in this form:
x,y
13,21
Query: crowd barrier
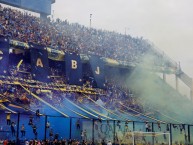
x,y
91,130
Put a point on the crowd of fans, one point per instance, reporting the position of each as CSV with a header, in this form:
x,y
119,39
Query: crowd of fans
x,y
42,142
64,36
112,95
53,94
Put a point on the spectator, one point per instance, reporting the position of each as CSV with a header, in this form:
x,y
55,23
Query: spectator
x,y
51,134
103,142
30,121
13,128
8,118
109,143
47,124
146,127
22,130
78,124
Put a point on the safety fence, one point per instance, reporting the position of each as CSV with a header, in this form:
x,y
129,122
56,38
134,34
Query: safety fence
x,y
41,127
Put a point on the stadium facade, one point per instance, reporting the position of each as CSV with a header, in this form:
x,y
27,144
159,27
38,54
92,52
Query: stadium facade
x,y
39,6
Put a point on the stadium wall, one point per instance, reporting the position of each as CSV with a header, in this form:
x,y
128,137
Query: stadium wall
x,y
40,6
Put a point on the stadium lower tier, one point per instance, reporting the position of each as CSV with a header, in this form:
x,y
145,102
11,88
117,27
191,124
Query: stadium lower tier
x,y
21,127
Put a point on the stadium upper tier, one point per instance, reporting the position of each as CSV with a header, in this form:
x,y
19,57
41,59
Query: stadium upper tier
x,y
61,35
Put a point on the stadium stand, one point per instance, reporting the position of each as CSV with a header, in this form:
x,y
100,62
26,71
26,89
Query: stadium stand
x,y
70,37
114,109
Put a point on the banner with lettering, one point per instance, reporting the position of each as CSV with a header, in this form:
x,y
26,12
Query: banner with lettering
x,y
39,63
97,65
4,55
73,68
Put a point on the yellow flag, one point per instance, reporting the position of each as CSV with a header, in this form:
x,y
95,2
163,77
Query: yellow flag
x,y
18,65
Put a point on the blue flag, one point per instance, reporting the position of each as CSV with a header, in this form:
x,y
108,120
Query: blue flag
x,y
73,68
39,63
97,65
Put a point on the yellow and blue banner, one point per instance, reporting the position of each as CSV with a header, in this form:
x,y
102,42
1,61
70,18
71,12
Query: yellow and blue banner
x,y
39,63
97,66
73,66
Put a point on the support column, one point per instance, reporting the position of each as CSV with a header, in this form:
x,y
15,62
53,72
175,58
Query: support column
x,y
191,91
93,121
133,125
114,130
153,136
189,134
45,130
18,120
191,94
164,76
152,127
170,133
70,128
133,132
177,85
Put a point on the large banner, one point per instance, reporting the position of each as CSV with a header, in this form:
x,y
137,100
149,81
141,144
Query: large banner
x,y
39,63
97,66
56,55
4,55
73,69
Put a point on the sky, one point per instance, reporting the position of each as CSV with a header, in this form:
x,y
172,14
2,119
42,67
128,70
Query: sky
x,y
168,24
